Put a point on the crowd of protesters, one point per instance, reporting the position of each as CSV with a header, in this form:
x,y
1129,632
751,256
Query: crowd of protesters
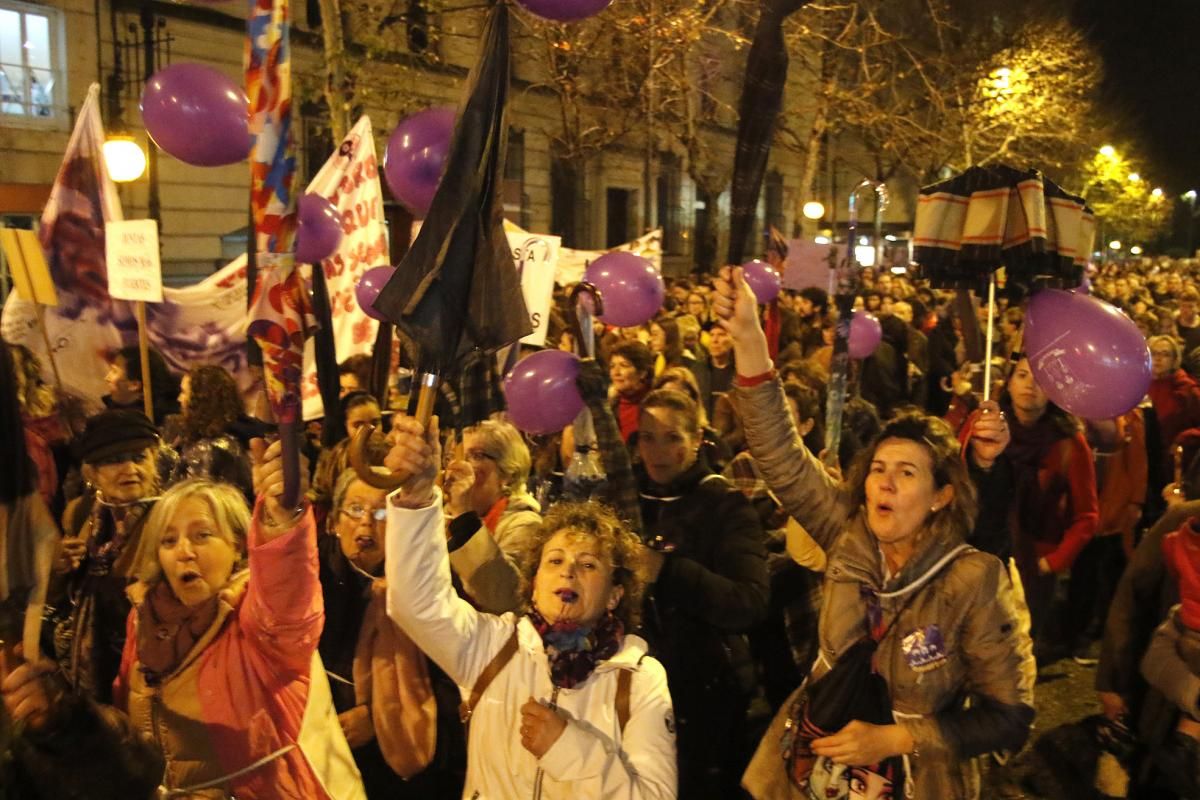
x,y
732,611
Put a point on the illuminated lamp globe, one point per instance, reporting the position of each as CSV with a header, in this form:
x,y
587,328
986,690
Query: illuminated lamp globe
x,y
1115,244
124,159
813,210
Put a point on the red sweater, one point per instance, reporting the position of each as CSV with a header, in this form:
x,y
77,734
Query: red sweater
x,y
1176,401
1181,554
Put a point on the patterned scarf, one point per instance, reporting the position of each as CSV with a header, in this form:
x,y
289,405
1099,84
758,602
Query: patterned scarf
x,y
574,650
167,630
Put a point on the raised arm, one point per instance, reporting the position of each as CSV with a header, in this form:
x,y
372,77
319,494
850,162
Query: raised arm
x,y
420,596
808,493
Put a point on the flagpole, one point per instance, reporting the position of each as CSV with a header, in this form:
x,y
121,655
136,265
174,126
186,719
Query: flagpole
x,y
40,310
144,352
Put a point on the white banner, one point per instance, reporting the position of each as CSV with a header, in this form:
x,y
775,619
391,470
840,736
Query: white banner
x,y
536,257
204,323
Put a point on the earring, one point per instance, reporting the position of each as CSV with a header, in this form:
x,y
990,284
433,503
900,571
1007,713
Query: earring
x,y
933,509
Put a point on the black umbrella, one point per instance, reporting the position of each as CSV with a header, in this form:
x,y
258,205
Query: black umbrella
x,y
762,98
457,292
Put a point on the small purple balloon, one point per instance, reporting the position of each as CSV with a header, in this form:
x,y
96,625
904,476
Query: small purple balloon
x,y
765,281
369,286
318,229
198,115
630,286
541,392
565,10
865,334
1088,357
416,157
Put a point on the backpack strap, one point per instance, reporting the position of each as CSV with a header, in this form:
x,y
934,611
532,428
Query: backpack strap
x,y
624,681
501,659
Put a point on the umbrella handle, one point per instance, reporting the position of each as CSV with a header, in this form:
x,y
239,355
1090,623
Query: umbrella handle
x,y
357,451
597,310
289,444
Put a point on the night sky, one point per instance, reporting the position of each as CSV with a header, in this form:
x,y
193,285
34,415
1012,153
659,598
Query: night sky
x,y
1151,51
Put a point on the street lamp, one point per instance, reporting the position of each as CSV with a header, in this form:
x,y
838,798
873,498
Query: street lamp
x,y
1108,151
1136,250
1190,196
1157,194
125,160
1134,177
813,210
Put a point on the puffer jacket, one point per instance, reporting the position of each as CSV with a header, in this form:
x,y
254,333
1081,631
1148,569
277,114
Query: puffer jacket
x,y
593,758
987,658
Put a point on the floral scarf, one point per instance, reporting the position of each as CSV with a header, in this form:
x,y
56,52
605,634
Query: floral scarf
x,y
574,650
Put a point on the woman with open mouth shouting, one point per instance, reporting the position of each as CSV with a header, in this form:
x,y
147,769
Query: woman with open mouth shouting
x,y
220,664
911,613
560,701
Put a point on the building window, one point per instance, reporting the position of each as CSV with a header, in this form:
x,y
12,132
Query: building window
x,y
516,202
32,85
568,208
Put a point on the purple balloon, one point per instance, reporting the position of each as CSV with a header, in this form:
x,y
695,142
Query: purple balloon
x,y
369,287
318,230
865,334
565,10
765,281
1088,357
541,392
630,287
416,156
198,115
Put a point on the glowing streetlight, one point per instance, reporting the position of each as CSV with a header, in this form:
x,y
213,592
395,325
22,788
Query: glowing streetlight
x,y
813,210
1190,195
821,239
1157,193
1108,151
125,160
1134,177
1136,250
1115,244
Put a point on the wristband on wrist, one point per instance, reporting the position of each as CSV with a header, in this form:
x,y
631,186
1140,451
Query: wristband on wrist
x,y
747,381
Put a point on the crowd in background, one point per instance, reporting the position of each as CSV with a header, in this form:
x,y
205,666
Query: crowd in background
x,y
194,632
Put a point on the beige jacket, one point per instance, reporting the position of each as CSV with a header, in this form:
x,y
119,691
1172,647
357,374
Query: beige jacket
x,y
987,659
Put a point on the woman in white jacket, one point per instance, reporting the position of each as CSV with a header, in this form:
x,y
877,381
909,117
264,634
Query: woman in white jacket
x,y
561,702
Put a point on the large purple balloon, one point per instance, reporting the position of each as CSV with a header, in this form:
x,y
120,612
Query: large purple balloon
x,y
416,156
197,114
318,231
630,286
541,392
865,334
369,286
1087,356
764,280
565,10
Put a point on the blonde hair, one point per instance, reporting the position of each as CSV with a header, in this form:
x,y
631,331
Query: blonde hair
x,y
226,504
505,445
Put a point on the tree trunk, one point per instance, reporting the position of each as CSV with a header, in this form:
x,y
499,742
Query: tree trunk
x,y
336,94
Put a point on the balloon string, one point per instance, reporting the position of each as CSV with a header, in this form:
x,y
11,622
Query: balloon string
x,y
991,317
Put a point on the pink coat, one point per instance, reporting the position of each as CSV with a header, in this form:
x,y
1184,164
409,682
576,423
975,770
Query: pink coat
x,y
251,688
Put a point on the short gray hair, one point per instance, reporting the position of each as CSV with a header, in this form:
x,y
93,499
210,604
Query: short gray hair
x,y
505,445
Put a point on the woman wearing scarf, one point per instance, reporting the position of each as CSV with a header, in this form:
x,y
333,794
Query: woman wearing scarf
x,y
220,663
1055,511
561,702
101,548
379,678
710,588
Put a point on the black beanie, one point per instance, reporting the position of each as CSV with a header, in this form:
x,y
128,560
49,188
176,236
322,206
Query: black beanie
x,y
116,431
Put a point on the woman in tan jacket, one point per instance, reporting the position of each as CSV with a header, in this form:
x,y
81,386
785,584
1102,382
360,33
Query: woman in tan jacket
x,y
957,665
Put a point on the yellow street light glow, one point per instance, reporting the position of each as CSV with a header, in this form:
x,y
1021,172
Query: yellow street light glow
x,y
1134,177
813,210
1115,244
125,160
1157,193
1136,250
1190,194
821,239
1108,151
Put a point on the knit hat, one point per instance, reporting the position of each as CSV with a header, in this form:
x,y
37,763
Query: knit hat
x,y
116,431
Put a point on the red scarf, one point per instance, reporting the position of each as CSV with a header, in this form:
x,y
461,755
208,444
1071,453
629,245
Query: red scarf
x,y
492,518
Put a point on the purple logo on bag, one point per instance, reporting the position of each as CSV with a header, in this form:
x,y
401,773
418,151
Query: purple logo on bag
x,y
924,649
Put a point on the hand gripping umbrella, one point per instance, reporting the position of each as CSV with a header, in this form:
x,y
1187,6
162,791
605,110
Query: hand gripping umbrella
x,y
457,292
969,226
280,318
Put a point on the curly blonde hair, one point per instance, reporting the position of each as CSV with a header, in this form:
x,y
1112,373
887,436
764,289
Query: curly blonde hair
x,y
617,545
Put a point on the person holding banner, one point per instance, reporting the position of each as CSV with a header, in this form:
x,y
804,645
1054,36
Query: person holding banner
x,y
937,618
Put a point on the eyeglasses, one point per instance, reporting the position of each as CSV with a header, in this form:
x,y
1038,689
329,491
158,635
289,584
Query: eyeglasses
x,y
356,511
120,458
478,456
